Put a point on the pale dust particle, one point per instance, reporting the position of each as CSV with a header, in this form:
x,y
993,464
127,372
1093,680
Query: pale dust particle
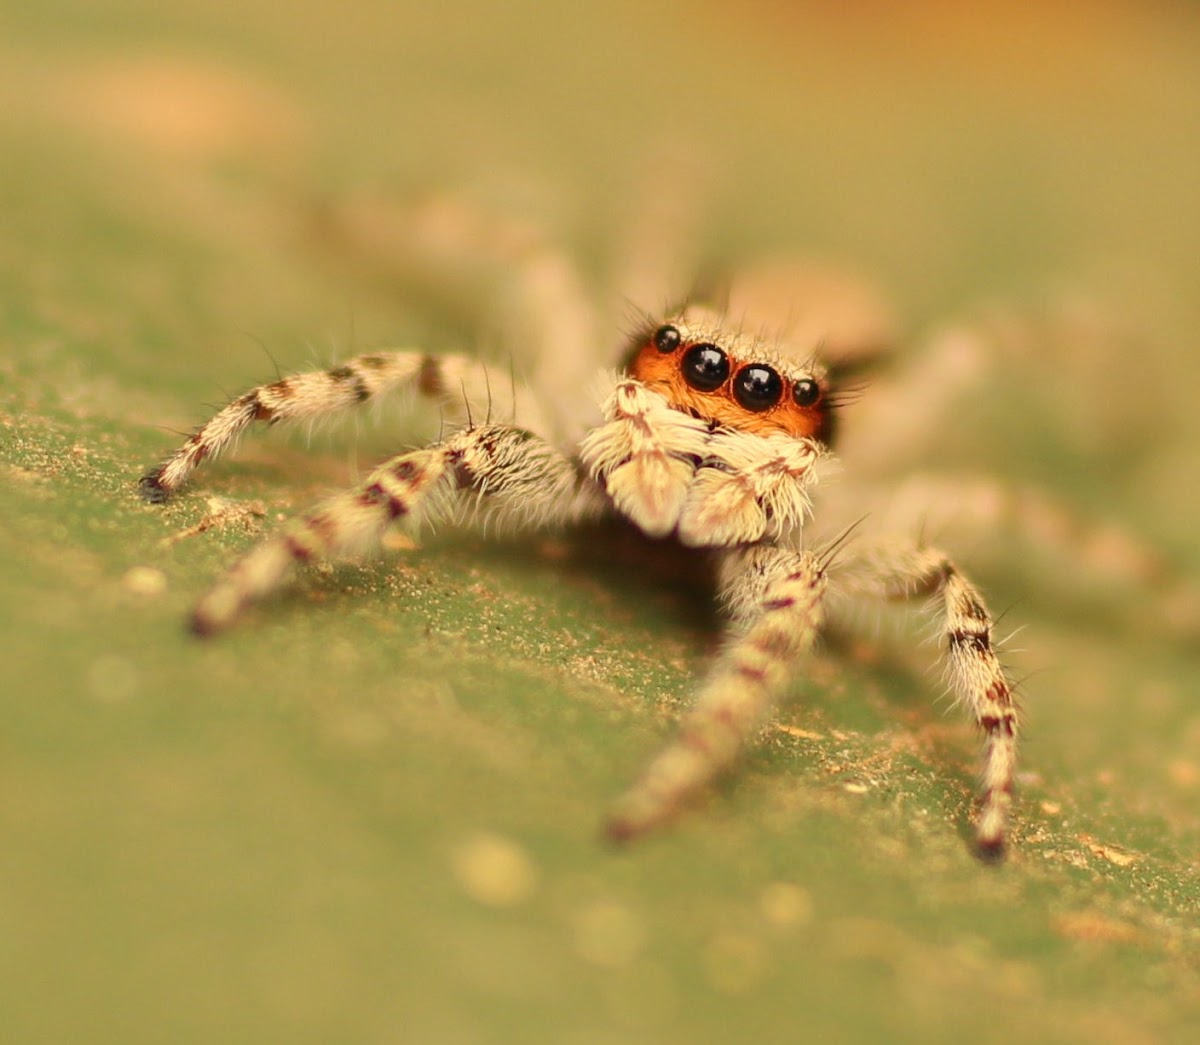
x,y
1113,854
1184,774
553,551
1086,925
494,871
855,789
1112,550
112,679
785,905
796,731
176,105
24,475
734,962
144,580
1051,808
867,653
361,729
222,512
868,938
397,541
608,935
1180,610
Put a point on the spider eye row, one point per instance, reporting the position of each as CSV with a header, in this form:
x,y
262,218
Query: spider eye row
x,y
756,386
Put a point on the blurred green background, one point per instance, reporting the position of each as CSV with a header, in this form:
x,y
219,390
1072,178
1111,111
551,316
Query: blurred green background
x,y
370,813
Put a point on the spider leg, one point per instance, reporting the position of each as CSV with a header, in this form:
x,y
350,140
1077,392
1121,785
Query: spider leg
x,y
990,517
775,597
511,279
816,306
905,571
901,414
459,383
491,476
657,239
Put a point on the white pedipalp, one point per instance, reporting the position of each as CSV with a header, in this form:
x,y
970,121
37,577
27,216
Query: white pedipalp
x,y
752,488
644,455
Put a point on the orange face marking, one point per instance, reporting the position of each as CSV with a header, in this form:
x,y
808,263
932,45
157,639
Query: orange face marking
x,y
660,371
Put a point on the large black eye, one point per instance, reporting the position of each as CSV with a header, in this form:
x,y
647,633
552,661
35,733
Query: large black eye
x,y
705,367
666,339
757,387
806,392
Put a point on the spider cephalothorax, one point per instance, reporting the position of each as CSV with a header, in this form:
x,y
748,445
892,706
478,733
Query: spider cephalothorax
x,y
681,451
710,434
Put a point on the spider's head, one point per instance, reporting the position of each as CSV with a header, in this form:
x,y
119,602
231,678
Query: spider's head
x,y
731,379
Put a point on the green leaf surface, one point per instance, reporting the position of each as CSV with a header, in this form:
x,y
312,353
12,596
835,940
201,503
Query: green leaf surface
x,y
370,812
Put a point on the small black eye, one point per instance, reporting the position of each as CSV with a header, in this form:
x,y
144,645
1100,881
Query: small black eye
x,y
757,387
705,367
666,339
806,392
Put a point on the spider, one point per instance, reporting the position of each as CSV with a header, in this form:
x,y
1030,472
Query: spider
x,y
717,430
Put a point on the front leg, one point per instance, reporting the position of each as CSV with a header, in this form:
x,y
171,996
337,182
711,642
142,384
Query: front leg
x,y
459,384
1097,561
496,477
905,571
775,598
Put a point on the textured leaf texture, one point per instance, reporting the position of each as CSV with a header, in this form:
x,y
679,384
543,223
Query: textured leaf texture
x,y
371,811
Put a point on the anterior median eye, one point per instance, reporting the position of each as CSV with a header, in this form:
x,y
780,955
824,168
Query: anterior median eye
x,y
757,387
705,367
806,392
666,339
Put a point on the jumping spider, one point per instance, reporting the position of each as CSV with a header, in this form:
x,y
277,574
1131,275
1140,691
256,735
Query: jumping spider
x,y
715,432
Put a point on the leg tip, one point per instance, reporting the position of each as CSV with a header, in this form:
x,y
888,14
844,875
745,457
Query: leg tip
x,y
618,831
200,626
150,486
990,850
216,611
631,819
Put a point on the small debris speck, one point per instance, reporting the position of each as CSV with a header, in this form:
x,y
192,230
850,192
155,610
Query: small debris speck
x,y
222,512
1086,925
112,679
397,541
494,871
785,905
144,580
1113,854
608,935
734,962
1184,774
796,731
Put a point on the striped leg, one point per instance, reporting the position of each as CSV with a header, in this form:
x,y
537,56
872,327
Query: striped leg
x,y
459,383
775,598
1092,560
499,273
657,242
977,678
494,475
